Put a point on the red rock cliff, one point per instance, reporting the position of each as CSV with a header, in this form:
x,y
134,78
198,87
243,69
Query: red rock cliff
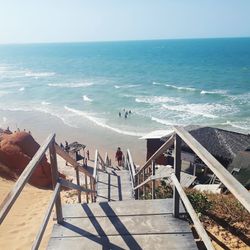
x,y
16,151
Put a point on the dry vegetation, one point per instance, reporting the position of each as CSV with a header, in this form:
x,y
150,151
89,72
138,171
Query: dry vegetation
x,y
225,219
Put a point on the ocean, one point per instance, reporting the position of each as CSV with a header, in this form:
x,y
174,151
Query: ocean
x,y
162,82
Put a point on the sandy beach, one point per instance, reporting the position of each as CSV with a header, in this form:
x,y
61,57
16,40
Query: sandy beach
x,y
21,225
95,137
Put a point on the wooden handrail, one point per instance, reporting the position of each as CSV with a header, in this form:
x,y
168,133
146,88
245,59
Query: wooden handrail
x,y
198,226
131,162
70,160
96,165
44,224
23,179
159,152
234,186
102,161
71,185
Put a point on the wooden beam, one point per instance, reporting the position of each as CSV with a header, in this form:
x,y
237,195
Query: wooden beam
x,y
159,152
198,226
153,181
86,186
23,179
102,161
55,178
96,165
78,183
131,162
71,185
44,224
70,160
177,171
233,185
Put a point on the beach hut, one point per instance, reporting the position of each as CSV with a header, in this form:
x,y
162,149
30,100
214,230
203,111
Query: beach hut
x,y
224,145
155,140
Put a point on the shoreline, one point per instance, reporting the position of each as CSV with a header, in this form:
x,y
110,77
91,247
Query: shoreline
x,y
93,136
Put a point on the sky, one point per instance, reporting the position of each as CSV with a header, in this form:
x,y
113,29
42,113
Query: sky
x,y
38,21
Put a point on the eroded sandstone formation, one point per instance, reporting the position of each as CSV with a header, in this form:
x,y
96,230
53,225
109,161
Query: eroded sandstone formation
x,y
16,151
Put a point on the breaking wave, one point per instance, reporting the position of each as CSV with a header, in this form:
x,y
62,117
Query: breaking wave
x,y
127,86
70,85
22,89
86,99
205,110
215,92
45,103
39,74
181,88
162,121
156,99
237,125
102,123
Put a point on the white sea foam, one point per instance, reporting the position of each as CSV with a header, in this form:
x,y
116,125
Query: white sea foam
x,y
215,92
102,122
205,110
181,88
22,89
4,119
86,99
39,74
71,85
156,99
238,125
45,103
127,86
162,121
156,83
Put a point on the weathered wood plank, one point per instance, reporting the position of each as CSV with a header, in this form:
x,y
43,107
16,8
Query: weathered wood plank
x,y
177,171
120,225
198,226
42,228
121,208
71,185
55,179
24,177
145,242
239,191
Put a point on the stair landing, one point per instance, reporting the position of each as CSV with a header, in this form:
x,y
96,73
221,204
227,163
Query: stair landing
x,y
131,224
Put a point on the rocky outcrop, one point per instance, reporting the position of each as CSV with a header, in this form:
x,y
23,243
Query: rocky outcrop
x,y
16,151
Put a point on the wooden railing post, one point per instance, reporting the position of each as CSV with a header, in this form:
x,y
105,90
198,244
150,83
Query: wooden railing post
x,y
86,186
55,179
153,182
78,183
177,171
144,186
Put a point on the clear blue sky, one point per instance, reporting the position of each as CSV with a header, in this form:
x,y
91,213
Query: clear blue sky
x,y
29,21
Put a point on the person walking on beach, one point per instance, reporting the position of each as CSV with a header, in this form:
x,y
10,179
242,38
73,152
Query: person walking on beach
x,y
119,156
120,114
87,154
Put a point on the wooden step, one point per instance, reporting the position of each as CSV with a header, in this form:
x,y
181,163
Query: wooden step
x,y
120,208
148,242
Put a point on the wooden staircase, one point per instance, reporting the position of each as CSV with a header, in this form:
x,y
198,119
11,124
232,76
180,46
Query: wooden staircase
x,y
127,224
117,217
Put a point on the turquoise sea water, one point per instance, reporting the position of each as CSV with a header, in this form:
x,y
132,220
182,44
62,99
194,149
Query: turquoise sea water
x,y
163,83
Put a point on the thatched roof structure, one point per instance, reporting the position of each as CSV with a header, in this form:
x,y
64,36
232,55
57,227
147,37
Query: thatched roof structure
x,y
75,147
242,162
222,144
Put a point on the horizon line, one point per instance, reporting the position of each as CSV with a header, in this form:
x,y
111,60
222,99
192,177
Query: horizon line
x,y
128,40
